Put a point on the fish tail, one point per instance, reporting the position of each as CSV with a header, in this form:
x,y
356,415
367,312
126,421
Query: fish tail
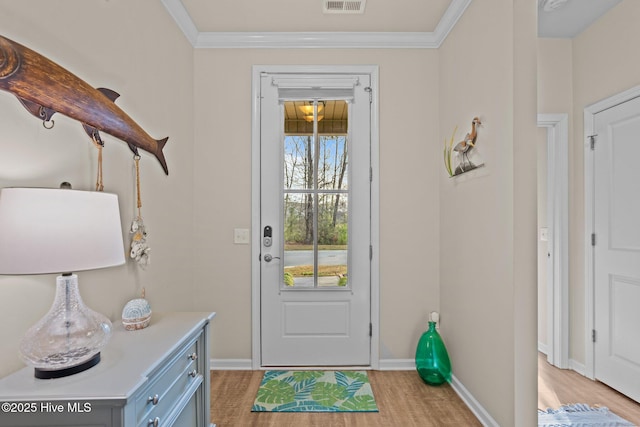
x,y
160,155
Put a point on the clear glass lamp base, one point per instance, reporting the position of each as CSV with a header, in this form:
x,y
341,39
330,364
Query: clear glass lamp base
x,y
68,339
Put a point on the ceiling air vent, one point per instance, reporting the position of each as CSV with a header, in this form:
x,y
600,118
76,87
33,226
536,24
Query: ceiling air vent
x,y
343,6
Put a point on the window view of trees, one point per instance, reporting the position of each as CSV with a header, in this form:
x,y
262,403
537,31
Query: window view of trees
x,y
299,174
316,208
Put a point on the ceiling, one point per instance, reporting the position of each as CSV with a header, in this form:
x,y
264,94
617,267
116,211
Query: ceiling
x,y
570,17
384,24
333,117
306,15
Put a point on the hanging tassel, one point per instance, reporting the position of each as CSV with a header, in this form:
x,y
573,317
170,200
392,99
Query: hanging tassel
x,y
99,145
136,159
140,251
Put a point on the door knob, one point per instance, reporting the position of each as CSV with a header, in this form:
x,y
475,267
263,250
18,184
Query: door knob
x,y
269,257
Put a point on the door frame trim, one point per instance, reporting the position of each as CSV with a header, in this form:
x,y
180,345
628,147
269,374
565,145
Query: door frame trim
x,y
257,70
557,126
589,199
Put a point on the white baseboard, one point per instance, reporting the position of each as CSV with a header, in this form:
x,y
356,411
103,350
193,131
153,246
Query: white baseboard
x,y
246,364
231,364
573,364
577,366
397,364
542,347
478,410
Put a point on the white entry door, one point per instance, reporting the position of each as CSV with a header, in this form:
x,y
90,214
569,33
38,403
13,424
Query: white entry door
x,y
315,220
617,247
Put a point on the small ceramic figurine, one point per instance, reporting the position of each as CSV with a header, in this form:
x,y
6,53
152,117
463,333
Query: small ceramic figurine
x,y
136,314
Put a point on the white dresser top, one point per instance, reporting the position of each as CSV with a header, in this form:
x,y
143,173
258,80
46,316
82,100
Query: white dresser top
x,y
126,360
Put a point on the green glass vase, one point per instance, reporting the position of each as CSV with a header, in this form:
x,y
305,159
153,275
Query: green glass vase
x,y
432,359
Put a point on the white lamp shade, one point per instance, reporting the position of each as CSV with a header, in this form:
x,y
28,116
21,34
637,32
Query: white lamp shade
x,y
45,230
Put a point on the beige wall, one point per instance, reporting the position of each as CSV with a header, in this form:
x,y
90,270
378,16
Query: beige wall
x,y
210,170
573,74
135,49
525,213
488,289
409,169
555,76
463,246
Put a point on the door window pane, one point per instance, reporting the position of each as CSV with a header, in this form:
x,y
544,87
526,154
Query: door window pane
x,y
333,239
316,209
299,265
298,161
332,167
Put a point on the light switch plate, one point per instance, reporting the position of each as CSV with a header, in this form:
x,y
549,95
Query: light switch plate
x,y
241,236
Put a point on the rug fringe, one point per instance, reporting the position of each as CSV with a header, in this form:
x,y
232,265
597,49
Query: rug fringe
x,y
580,415
575,407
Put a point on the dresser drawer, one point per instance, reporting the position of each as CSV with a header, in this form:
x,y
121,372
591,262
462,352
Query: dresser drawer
x,y
169,385
135,366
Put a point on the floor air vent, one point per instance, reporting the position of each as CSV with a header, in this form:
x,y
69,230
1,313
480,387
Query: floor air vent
x,y
343,6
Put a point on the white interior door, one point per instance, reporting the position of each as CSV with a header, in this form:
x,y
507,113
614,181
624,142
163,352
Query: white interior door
x,y
315,214
617,247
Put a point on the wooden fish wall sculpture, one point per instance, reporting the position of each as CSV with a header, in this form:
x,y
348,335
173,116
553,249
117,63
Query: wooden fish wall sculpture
x,y
44,88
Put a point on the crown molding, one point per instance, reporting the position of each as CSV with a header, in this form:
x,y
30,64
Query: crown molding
x,y
180,15
450,19
316,40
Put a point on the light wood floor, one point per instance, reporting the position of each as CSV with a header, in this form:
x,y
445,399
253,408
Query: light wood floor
x,y
403,399
563,386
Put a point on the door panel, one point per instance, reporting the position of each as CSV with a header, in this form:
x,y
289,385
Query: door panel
x,y
315,195
624,152
624,293
617,249
316,319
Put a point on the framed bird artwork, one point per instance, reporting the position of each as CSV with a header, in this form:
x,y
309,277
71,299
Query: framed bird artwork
x,y
463,156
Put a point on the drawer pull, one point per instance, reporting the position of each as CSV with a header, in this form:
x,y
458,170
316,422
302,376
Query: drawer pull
x,y
154,422
153,399
193,373
193,356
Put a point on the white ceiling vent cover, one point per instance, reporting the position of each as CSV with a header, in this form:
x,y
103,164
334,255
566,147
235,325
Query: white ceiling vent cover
x,y
343,6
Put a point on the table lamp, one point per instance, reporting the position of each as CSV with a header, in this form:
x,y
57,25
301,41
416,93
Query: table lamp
x,y
45,231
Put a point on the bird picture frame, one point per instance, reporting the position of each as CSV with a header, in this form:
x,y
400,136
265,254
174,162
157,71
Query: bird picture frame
x,y
463,156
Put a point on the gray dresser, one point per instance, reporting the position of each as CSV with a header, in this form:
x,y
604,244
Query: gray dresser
x,y
157,376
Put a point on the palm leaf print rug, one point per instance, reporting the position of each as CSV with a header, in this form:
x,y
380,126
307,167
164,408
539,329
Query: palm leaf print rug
x,y
315,391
